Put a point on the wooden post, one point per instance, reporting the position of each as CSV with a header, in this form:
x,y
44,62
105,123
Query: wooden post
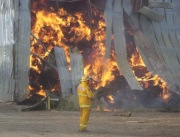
x,y
48,103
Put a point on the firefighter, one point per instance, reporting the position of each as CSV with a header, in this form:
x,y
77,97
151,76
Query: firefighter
x,y
85,96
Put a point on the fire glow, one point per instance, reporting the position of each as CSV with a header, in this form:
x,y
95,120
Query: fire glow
x,y
52,29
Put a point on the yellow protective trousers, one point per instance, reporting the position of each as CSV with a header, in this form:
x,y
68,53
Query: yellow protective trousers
x,y
84,117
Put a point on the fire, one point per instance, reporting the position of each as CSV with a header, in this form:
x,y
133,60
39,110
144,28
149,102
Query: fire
x,y
67,30
40,92
110,99
49,28
136,59
33,63
102,69
148,79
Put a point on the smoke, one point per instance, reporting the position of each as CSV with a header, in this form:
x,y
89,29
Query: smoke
x,y
128,99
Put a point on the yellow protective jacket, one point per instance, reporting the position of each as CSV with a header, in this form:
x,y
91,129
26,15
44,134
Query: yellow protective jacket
x,y
85,95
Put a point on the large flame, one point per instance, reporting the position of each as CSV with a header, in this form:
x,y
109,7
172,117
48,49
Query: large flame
x,y
148,79
68,30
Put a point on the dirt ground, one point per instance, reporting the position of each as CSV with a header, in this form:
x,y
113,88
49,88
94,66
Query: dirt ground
x,y
54,123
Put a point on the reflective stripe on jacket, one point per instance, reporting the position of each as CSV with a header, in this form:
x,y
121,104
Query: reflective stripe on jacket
x,y
85,95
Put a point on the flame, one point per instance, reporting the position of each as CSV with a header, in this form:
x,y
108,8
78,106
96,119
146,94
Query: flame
x,y
34,62
104,109
41,92
110,99
136,60
100,68
68,30
49,28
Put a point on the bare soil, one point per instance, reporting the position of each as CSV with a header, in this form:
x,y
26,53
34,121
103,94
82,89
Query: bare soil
x,y
54,123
